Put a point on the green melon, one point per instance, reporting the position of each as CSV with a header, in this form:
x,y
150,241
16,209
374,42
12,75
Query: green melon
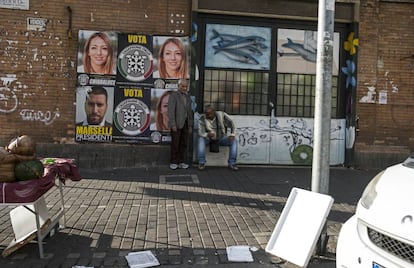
x,y
28,170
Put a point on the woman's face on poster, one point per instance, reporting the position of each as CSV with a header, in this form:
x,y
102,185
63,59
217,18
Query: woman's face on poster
x,y
98,51
172,56
164,105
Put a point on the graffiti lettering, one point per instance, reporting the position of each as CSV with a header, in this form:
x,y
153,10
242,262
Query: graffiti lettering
x,y
8,98
46,117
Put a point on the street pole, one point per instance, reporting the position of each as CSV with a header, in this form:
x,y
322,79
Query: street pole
x,y
323,99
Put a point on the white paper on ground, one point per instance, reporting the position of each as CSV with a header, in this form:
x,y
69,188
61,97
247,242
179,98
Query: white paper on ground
x,y
141,259
239,254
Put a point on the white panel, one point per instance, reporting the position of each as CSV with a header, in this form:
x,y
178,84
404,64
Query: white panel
x,y
24,221
299,226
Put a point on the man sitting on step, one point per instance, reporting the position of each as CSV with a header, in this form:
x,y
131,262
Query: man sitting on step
x,y
213,127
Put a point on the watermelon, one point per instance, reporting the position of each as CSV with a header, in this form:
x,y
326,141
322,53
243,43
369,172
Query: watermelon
x,y
28,170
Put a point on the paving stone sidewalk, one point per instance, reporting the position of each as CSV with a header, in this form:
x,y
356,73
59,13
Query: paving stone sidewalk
x,y
187,218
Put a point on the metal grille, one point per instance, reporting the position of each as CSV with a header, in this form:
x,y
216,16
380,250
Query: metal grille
x,y
237,92
400,249
247,93
295,95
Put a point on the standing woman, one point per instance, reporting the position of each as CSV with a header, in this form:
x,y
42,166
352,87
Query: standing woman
x,y
98,55
172,60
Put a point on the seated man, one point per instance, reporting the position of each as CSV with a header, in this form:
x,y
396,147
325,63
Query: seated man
x,y
213,126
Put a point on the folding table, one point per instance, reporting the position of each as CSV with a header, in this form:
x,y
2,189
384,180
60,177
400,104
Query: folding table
x,y
30,218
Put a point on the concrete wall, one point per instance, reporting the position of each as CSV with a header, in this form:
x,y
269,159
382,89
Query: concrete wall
x,y
107,156
377,157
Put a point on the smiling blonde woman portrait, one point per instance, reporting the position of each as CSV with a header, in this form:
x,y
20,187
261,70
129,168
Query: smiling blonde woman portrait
x,y
98,55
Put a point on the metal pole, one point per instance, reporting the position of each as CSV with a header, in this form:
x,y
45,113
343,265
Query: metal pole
x,y
323,96
323,99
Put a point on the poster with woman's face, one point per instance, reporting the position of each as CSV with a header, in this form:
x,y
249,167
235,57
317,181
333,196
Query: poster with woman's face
x,y
160,131
97,52
159,109
171,57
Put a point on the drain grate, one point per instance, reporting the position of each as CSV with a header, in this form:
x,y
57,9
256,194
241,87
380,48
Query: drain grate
x,y
179,179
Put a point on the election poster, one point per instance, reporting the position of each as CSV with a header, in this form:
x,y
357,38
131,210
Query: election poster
x,y
97,54
171,60
94,113
124,81
160,130
131,114
135,61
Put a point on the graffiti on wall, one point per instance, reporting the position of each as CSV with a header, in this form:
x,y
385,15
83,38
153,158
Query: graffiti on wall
x,y
284,140
351,45
46,117
9,103
8,96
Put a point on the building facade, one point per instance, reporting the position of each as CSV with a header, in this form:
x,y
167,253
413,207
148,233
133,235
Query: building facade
x,y
256,62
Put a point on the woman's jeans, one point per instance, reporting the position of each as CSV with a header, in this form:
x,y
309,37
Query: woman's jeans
x,y
224,141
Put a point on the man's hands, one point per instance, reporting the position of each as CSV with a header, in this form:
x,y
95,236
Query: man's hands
x,y
211,135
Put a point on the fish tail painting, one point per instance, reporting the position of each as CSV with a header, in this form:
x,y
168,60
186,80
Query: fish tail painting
x,y
307,54
215,35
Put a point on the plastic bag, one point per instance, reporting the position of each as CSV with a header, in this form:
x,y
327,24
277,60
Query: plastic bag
x,y
214,146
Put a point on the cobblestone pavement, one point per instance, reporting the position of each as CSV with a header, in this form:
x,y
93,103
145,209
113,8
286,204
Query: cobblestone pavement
x,y
187,218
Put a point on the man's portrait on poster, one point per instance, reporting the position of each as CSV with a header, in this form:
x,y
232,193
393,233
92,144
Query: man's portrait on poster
x,y
172,57
94,106
97,52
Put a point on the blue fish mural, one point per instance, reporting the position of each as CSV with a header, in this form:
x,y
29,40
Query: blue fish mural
x,y
306,53
239,48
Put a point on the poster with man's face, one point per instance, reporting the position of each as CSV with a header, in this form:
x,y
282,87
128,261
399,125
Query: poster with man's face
x,y
94,113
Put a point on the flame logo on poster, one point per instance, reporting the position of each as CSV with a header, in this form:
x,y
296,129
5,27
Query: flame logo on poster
x,y
132,117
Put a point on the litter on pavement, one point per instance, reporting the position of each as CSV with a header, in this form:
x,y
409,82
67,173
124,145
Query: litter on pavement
x,y
142,259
